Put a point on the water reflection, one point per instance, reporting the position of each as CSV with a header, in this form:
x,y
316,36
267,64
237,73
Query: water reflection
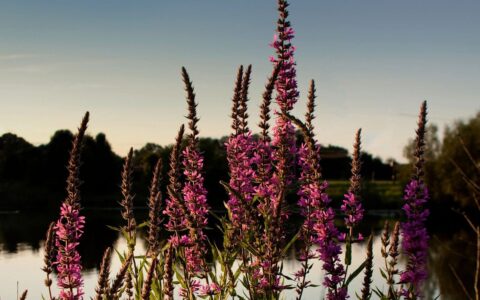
x,y
22,234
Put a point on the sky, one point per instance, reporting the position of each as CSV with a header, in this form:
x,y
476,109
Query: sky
x,y
373,62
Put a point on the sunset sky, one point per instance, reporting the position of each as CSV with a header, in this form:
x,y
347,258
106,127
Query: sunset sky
x,y
373,62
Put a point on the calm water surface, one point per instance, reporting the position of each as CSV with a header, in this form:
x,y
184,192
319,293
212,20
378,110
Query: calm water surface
x,y
21,256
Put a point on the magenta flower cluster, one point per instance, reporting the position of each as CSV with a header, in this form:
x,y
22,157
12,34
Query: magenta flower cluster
x,y
240,152
69,229
352,208
415,236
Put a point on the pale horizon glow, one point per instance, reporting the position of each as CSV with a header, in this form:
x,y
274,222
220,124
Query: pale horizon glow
x,y
374,62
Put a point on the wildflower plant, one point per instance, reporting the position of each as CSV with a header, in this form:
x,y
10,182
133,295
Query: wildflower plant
x,y
264,170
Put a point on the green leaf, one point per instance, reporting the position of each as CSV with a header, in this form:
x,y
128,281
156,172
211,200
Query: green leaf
x,y
113,228
355,273
290,243
383,274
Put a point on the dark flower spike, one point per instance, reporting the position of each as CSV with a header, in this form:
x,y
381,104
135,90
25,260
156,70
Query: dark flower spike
x,y
355,180
237,93
49,256
175,172
420,142
129,285
367,279
192,107
168,274
102,285
127,195
120,278
73,180
24,295
147,285
385,238
154,204
393,254
243,107
267,100
309,116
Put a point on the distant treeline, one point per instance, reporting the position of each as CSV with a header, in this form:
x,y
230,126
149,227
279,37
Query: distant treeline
x,y
33,177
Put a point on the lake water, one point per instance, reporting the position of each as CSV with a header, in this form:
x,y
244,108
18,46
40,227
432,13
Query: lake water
x,y
21,256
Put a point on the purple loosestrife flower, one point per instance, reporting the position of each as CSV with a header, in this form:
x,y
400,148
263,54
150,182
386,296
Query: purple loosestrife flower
x,y
287,95
69,229
173,209
329,251
209,290
352,207
415,237
353,210
240,148
414,233
194,192
315,203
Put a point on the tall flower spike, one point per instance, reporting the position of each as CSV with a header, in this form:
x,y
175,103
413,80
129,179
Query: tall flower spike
x,y
352,207
242,111
194,192
102,285
315,201
414,232
69,227
127,197
175,209
237,93
154,214
287,96
73,180
267,100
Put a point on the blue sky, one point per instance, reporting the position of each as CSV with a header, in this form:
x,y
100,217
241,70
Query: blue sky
x,y
373,62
